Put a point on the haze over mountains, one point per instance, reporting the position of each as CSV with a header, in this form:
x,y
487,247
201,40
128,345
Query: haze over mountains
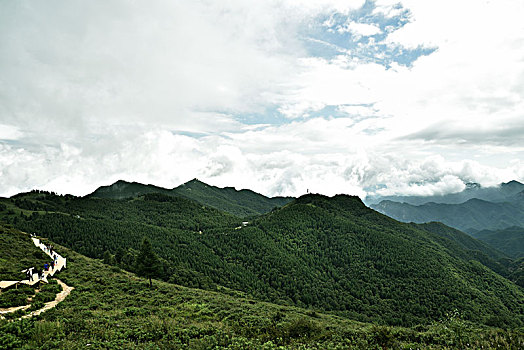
x,y
500,193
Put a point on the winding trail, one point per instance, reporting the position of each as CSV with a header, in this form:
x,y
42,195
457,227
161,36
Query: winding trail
x,y
51,304
66,290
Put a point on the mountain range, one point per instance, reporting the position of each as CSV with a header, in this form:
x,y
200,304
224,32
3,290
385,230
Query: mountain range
x,y
500,210
501,193
241,203
329,253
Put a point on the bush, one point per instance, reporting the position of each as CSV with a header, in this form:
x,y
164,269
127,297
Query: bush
x,y
15,297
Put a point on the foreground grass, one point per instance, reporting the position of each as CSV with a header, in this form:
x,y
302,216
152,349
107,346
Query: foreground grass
x,y
113,309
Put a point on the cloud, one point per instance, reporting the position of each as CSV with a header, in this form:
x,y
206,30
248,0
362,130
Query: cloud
x,y
10,132
234,94
503,134
361,29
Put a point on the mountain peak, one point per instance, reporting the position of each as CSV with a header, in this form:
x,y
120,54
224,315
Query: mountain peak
x,y
512,183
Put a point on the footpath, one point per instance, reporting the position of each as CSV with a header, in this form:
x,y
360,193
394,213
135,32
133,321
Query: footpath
x,y
60,263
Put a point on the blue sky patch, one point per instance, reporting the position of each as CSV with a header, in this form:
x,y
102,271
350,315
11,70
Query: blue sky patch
x,y
329,36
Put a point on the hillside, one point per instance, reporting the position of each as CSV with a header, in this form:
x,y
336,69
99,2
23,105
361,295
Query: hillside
x,y
113,309
333,254
241,203
509,240
13,261
475,214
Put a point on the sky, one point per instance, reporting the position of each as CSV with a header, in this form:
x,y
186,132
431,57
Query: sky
x,y
281,97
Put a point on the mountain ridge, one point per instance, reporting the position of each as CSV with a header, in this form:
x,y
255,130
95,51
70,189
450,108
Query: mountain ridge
x,y
242,203
331,253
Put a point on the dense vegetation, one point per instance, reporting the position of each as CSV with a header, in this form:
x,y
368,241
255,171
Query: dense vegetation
x,y
332,254
19,254
241,203
113,309
509,240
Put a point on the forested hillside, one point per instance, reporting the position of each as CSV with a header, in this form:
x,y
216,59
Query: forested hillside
x,y
333,254
509,240
112,309
241,203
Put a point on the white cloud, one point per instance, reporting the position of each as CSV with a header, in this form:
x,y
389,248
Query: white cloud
x,y
10,132
91,92
361,29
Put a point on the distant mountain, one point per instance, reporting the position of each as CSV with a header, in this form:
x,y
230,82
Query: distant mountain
x,y
123,189
474,214
238,202
327,253
509,240
500,193
241,203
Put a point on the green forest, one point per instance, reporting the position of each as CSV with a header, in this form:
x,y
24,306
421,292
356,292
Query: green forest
x,y
331,254
110,308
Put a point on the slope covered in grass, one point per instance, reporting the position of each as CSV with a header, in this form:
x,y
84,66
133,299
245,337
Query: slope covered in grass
x,y
18,253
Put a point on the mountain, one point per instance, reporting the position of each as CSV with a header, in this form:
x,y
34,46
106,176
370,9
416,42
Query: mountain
x,y
237,202
113,309
332,254
123,189
501,193
474,214
242,203
509,240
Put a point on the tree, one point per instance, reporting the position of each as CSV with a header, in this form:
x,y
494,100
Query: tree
x,y
147,263
108,258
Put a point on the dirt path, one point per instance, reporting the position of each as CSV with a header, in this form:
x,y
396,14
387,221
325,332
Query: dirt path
x,y
49,305
13,309
60,263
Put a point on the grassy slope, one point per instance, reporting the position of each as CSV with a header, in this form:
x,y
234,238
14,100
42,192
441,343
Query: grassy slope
x,y
18,253
111,309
